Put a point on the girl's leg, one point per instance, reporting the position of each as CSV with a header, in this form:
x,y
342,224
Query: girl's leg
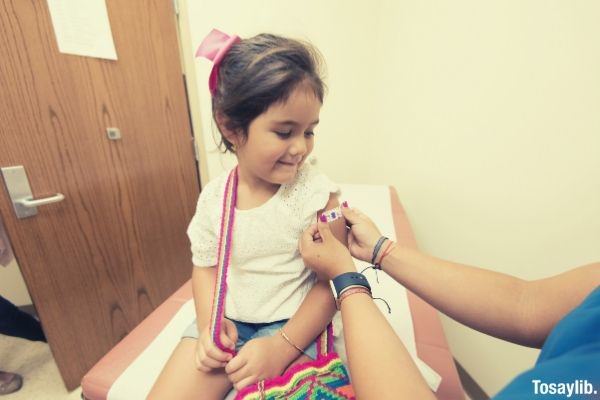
x,y
180,380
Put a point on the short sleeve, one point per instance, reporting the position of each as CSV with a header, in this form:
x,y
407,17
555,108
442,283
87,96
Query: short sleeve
x,y
202,231
314,189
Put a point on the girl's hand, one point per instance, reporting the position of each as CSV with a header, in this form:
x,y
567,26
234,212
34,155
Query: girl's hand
x,y
363,234
258,359
208,355
327,256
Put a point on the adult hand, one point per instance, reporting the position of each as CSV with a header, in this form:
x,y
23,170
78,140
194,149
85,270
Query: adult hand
x,y
363,234
327,256
208,355
256,360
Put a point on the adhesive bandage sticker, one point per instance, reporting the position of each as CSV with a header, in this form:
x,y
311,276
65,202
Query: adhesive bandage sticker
x,y
333,214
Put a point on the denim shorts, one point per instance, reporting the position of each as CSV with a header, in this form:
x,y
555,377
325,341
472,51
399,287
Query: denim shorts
x,y
247,331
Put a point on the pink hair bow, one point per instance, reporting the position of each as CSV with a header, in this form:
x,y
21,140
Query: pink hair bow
x,y
214,47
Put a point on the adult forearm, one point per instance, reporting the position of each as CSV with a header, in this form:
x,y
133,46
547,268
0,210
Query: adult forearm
x,y
380,365
488,301
203,281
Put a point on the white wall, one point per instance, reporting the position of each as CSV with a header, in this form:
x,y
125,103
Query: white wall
x,y
484,116
493,118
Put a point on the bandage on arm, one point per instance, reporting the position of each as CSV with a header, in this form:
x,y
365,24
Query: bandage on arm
x,y
333,214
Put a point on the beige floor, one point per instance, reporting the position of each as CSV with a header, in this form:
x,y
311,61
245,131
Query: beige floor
x,y
35,363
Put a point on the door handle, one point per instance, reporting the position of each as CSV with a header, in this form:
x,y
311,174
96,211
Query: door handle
x,y
29,203
20,194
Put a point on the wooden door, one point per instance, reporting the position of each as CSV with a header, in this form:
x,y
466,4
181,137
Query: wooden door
x,y
98,262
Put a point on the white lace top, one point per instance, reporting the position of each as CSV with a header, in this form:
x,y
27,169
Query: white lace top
x,y
267,278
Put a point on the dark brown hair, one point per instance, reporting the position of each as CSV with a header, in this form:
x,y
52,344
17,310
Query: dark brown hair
x,y
259,72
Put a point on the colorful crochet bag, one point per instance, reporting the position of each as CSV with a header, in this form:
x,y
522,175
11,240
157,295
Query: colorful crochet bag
x,y
324,378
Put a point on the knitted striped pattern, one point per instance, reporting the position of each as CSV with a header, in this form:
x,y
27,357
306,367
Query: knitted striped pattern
x,y
324,379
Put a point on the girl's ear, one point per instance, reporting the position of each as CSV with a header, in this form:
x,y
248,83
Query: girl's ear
x,y
228,134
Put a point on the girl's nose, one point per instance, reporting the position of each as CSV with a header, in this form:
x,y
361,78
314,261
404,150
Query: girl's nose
x,y
298,147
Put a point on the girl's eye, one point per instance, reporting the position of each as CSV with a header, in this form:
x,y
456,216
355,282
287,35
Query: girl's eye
x,y
309,134
284,135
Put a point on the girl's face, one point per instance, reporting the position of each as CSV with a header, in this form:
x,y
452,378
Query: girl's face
x,y
280,139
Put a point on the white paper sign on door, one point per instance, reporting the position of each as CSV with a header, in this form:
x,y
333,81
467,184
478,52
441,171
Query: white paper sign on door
x,y
82,28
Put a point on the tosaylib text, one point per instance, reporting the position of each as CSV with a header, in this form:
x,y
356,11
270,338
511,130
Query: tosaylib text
x,y
568,389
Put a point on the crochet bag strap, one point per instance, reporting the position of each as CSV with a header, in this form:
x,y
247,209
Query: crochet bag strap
x,y
223,259
324,341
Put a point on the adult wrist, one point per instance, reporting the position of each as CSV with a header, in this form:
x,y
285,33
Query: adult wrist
x,y
349,267
387,261
347,293
349,279
377,248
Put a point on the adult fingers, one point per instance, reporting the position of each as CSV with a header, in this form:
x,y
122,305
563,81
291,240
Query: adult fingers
x,y
352,215
351,240
324,230
307,237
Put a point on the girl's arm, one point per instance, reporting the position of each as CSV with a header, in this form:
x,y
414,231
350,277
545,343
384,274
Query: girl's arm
x,y
203,281
208,355
318,307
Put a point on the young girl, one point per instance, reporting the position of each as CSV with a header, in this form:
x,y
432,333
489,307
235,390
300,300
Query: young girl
x,y
266,98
